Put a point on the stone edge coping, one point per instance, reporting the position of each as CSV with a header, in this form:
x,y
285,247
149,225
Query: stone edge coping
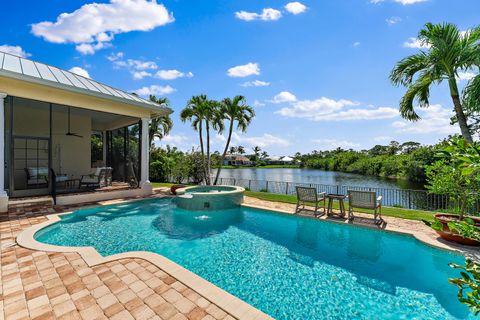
x,y
226,301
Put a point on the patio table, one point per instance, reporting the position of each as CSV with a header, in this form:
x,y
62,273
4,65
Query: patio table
x,y
332,197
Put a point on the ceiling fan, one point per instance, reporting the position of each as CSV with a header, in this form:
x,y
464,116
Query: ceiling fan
x,y
73,134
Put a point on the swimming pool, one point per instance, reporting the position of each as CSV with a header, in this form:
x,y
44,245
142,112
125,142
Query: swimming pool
x,y
287,266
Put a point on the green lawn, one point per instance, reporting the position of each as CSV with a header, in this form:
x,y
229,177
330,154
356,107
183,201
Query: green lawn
x,y
386,211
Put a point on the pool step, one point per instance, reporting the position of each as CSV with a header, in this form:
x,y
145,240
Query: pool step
x,y
30,203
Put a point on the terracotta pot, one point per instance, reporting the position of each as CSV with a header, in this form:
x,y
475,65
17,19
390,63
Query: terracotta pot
x,y
457,238
444,219
173,189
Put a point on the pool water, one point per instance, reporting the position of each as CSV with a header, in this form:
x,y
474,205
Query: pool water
x,y
290,267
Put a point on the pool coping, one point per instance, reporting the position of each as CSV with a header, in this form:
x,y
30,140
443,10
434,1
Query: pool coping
x,y
222,298
231,304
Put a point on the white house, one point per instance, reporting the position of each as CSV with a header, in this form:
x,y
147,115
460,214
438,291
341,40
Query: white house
x,y
47,119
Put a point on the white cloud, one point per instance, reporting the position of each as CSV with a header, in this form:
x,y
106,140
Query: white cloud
x,y
93,26
356,44
415,43
265,140
138,75
257,103
404,2
15,50
295,7
393,20
335,110
466,76
383,139
244,70
80,71
115,56
155,90
434,119
407,2
284,96
172,74
334,144
268,14
255,83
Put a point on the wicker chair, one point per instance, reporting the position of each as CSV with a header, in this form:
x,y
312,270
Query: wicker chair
x,y
307,194
364,200
102,177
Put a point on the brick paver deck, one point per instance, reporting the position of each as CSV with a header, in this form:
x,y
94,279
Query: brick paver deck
x,y
49,285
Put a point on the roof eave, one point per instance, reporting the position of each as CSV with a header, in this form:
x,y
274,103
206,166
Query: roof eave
x,y
157,109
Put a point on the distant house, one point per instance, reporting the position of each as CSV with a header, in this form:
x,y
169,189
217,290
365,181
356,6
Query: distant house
x,y
280,160
236,160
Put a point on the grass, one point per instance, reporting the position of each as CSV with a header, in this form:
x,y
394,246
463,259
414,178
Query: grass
x,y
386,211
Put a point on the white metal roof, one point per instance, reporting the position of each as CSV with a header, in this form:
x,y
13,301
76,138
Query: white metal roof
x,y
32,71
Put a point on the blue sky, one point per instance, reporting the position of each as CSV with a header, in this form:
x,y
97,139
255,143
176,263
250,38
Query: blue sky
x,y
316,71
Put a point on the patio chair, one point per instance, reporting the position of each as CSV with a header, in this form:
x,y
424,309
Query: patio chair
x,y
307,194
38,177
364,200
102,177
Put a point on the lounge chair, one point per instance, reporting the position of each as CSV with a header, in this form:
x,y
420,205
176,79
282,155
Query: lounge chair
x,y
102,177
364,200
310,195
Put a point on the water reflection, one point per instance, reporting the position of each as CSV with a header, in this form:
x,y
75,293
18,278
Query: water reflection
x,y
192,225
318,176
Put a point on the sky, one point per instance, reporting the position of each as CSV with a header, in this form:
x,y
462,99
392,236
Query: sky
x,y
316,71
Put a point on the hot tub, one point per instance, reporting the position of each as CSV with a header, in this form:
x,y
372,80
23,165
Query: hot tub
x,y
201,198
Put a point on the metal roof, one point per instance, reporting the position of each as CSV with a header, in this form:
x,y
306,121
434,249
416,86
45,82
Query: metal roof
x,y
32,71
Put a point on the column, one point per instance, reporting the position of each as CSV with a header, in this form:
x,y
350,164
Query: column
x,y
104,149
3,194
144,174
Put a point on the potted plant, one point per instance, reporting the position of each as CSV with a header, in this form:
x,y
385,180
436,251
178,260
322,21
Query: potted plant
x,y
456,175
468,285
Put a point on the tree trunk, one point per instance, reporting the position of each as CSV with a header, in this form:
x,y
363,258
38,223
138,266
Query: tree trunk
x,y
230,130
461,118
200,129
207,125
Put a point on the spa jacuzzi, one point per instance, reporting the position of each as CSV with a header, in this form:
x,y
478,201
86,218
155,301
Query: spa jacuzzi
x,y
201,198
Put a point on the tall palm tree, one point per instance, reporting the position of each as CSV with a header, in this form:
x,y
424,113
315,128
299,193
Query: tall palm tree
x,y
235,110
447,52
214,119
196,113
240,150
264,154
233,150
162,125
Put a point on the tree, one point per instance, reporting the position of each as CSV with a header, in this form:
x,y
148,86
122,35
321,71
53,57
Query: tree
x,y
241,150
235,110
196,113
256,151
447,52
264,155
162,125
233,150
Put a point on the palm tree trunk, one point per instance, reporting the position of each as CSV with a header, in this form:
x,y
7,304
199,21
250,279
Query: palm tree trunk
x,y
208,152
230,130
202,150
461,118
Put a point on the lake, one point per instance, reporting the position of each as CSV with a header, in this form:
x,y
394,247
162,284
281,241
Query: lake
x,y
318,177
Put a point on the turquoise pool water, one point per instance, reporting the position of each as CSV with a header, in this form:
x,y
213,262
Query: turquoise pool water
x,y
289,267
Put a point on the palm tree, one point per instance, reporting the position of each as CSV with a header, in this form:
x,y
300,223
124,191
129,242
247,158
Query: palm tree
x,y
448,52
195,111
264,155
241,150
162,125
235,110
214,119
256,151
233,150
